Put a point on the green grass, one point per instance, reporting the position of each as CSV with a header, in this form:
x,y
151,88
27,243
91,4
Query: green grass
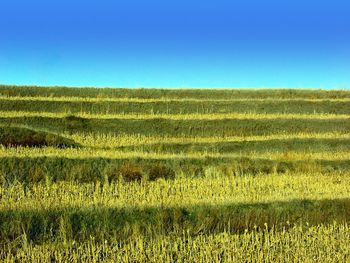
x,y
194,128
172,106
22,137
157,175
297,244
205,205
26,91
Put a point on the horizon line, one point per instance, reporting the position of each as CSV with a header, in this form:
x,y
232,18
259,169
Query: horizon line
x,y
172,88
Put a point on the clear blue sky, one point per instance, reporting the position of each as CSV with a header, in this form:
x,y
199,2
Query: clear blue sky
x,y
182,43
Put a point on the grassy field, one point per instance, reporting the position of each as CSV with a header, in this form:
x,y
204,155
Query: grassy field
x,y
166,175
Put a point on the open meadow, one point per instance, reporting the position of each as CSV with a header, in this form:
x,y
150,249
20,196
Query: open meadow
x,y
166,175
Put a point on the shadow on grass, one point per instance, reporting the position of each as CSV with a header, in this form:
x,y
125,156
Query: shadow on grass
x,y
24,137
282,145
162,127
79,223
30,170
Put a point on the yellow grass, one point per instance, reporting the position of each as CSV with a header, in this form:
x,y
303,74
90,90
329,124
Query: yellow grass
x,y
82,153
101,140
212,189
192,116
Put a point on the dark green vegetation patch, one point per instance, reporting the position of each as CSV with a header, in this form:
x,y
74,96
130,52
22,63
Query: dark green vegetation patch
x,y
16,136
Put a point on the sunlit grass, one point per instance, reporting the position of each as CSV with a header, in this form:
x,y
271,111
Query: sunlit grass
x,y
76,153
149,182
323,243
100,140
194,116
212,189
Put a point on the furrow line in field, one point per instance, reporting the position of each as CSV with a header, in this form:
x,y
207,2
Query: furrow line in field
x,y
216,116
76,153
111,140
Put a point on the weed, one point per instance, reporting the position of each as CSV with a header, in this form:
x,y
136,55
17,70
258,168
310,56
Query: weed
x,y
131,172
159,170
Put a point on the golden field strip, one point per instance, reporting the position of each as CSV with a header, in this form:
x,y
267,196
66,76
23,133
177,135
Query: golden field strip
x,y
317,243
211,190
194,116
114,140
160,155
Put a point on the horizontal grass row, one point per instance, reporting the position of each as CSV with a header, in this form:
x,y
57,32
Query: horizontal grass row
x,y
214,188
72,105
306,142
119,210
32,91
194,116
110,140
105,223
160,154
103,99
301,243
31,169
287,146
167,127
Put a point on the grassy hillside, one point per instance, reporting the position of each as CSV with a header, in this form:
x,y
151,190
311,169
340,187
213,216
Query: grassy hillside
x,y
156,175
